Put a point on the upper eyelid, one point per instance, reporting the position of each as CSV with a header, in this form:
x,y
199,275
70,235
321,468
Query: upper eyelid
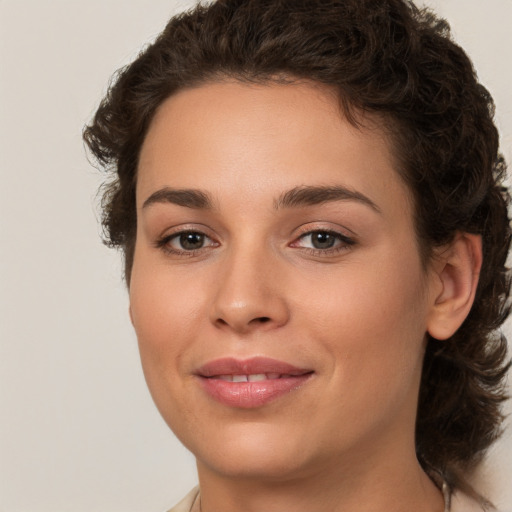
x,y
324,230
316,226
186,228
320,225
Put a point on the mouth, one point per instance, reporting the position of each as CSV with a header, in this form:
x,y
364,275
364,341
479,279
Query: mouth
x,y
254,377
250,383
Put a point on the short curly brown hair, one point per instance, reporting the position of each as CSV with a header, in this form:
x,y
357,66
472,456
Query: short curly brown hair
x,y
389,58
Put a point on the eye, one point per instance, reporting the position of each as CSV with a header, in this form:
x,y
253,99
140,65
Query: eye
x,y
189,241
185,242
323,241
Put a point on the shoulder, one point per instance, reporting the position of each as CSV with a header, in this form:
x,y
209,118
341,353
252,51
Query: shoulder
x,y
185,505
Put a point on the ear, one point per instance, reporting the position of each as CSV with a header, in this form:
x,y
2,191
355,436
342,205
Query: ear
x,y
456,271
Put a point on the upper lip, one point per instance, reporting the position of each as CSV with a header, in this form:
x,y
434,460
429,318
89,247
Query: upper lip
x,y
252,366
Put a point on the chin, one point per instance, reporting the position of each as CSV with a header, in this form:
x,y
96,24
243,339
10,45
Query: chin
x,y
263,467
252,451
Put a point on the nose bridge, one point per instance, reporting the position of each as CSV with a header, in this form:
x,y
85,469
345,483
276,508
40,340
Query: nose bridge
x,y
248,295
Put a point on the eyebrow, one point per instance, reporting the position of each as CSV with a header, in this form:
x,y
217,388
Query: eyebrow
x,y
313,195
295,197
190,198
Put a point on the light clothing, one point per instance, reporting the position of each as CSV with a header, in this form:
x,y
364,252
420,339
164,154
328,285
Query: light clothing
x,y
459,503
188,502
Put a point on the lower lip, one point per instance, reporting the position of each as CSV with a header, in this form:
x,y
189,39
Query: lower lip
x,y
250,395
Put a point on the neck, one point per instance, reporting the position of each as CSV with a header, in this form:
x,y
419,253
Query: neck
x,y
398,484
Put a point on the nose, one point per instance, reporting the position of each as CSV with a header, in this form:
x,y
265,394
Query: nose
x,y
249,293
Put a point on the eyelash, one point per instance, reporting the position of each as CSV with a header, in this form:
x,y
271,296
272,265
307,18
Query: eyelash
x,y
343,243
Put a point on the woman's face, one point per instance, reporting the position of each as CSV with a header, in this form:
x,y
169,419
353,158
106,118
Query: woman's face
x,y
277,290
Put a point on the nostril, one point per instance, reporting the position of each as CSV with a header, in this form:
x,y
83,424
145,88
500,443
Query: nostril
x,y
262,319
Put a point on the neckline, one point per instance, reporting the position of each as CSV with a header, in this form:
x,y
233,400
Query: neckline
x,y
445,489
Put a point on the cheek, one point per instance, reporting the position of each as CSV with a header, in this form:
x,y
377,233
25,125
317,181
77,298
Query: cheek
x,y
164,305
371,319
370,327
163,319
164,315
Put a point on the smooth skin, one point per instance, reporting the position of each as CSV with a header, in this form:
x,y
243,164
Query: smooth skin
x,y
241,265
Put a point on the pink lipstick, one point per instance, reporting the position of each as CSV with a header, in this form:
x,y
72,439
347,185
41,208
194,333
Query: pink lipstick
x,y
252,382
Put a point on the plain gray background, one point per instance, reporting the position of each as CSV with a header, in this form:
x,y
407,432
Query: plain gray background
x,y
78,430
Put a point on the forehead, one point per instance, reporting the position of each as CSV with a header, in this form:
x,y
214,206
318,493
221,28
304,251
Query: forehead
x,y
231,135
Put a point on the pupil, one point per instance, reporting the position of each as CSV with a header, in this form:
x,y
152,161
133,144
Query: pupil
x,y
191,241
322,240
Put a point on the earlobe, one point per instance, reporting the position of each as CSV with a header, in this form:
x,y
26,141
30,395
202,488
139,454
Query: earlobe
x,y
458,270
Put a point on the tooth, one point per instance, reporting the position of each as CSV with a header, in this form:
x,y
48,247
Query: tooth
x,y
240,378
256,377
228,378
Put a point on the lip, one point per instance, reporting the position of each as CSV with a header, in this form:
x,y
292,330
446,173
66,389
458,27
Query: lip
x,y
274,379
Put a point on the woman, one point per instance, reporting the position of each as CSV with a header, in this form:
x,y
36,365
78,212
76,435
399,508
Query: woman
x,y
309,198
